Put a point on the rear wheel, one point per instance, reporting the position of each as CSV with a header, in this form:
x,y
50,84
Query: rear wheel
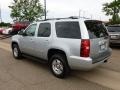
x,y
16,51
59,66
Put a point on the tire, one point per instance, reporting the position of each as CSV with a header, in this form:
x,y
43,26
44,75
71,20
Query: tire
x,y
16,51
9,32
59,66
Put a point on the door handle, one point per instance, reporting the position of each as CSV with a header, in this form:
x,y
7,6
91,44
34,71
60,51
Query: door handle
x,y
31,40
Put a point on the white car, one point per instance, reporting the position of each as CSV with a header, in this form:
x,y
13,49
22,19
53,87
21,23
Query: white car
x,y
7,31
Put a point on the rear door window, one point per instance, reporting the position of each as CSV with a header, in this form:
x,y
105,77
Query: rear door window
x,y
68,30
96,29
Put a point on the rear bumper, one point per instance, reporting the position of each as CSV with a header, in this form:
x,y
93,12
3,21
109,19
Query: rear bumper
x,y
79,63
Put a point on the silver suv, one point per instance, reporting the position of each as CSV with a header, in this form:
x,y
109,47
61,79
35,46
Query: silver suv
x,y
114,32
65,44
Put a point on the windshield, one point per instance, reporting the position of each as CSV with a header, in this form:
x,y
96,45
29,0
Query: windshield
x,y
113,28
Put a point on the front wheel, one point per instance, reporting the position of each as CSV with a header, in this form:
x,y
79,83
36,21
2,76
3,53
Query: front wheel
x,y
59,66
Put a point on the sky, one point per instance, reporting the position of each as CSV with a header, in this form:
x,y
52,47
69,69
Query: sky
x,y
64,8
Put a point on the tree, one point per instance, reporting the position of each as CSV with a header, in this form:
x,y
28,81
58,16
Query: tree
x,y
113,9
26,10
3,24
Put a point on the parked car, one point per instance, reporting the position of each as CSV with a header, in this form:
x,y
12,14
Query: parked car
x,y
17,26
66,44
7,31
114,32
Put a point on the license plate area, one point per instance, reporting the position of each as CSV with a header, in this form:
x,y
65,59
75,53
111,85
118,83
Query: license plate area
x,y
103,45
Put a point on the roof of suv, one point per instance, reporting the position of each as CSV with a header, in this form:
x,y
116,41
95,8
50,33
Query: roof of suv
x,y
65,19
68,19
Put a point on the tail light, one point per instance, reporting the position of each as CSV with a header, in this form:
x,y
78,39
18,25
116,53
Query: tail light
x,y
85,48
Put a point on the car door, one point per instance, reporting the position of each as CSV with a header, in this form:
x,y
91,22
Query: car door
x,y
27,40
42,40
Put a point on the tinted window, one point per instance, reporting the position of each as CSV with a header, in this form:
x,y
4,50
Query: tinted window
x,y
96,29
113,28
44,30
30,31
68,30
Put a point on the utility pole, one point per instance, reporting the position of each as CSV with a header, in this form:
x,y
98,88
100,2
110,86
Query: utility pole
x,y
79,13
91,16
84,14
100,18
45,9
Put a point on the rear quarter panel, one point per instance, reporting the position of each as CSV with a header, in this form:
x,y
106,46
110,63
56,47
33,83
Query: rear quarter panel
x,y
70,46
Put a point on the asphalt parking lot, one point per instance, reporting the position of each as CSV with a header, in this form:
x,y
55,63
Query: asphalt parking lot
x,y
27,74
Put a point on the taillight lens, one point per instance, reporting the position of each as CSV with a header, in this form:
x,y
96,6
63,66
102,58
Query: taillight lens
x,y
85,48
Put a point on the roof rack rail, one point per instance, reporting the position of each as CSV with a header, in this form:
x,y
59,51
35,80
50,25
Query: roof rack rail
x,y
84,17
62,18
71,17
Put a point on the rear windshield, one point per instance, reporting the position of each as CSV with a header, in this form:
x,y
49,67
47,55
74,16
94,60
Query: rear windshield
x,y
68,30
113,28
96,29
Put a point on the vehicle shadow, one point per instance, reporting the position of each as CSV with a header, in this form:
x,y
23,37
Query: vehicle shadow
x,y
44,66
74,80
38,63
94,73
115,46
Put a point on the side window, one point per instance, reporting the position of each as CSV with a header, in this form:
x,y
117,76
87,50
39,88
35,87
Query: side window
x,y
44,30
68,30
30,31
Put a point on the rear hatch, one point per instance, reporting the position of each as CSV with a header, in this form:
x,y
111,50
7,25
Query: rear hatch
x,y
99,40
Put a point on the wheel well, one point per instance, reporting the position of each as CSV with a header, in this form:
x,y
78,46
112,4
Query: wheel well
x,y
55,51
13,44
